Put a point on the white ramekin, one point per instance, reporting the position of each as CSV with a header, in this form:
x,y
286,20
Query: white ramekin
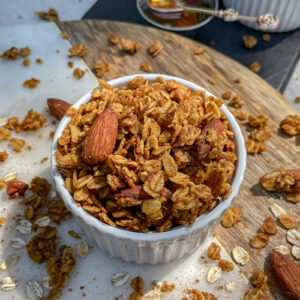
x,y
151,247
288,11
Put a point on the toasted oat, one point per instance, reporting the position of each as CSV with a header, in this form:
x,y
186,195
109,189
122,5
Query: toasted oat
x,y
240,255
266,37
293,236
78,50
296,252
17,144
227,95
26,62
12,53
58,212
260,121
119,279
287,221
269,226
3,156
254,294
239,114
198,50
113,38
293,197
230,286
155,48
74,234
8,284
225,265
213,251
254,147
237,102
231,217
4,134
258,278
64,35
78,73
282,249
129,46
249,41
260,240
214,273
51,15
13,123
101,67
34,290
31,83
255,67
146,67
261,135
33,121
291,125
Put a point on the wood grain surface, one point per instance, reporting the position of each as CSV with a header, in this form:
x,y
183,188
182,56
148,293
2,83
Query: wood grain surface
x,y
177,59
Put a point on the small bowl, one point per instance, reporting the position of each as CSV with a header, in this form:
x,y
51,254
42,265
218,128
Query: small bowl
x,y
151,247
142,8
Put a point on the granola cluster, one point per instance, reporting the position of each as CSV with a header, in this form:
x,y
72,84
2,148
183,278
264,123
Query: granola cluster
x,y
291,125
173,160
51,15
13,53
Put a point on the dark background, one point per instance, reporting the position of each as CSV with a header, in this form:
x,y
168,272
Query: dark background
x,y
277,57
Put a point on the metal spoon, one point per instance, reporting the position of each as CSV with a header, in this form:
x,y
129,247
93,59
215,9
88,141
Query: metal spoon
x,y
267,21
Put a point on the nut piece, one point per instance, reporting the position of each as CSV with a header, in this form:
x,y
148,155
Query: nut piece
x,y
24,226
260,240
287,221
7,284
277,210
296,252
16,188
269,226
240,255
213,251
287,274
225,265
258,278
282,249
230,286
101,138
17,243
119,279
58,108
34,290
82,249
155,48
231,217
214,274
293,236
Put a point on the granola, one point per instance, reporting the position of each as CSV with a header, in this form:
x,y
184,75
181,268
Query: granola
x,y
231,217
213,251
146,67
78,73
51,15
24,52
101,67
249,41
155,48
291,125
31,83
269,226
129,46
169,139
11,54
3,156
113,38
225,265
258,278
255,67
195,294
260,240
33,121
17,144
78,50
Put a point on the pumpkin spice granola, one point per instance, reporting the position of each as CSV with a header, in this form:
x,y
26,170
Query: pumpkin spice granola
x,y
158,168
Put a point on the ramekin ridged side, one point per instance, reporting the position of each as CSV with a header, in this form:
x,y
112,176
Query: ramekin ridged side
x,y
288,12
151,247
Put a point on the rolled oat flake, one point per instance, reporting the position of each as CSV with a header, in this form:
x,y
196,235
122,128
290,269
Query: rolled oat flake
x,y
17,243
296,252
282,249
24,226
293,236
152,295
46,282
214,274
82,249
7,284
11,260
240,255
119,279
34,290
230,286
42,221
277,210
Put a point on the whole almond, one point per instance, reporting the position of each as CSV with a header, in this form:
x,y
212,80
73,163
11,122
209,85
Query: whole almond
x,y
287,274
58,108
101,139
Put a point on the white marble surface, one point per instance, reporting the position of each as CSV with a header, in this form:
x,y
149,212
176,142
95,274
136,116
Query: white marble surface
x,y
16,12
293,87
94,271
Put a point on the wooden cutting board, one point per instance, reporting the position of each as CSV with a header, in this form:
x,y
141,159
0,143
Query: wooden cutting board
x,y
260,98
